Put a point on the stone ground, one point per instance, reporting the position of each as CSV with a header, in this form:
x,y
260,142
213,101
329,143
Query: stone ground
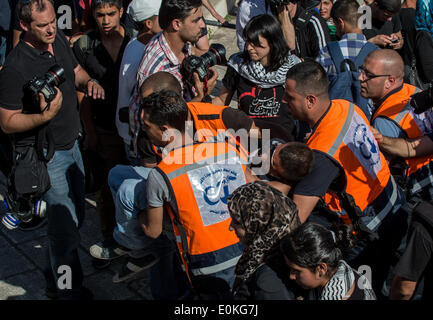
x,y
22,253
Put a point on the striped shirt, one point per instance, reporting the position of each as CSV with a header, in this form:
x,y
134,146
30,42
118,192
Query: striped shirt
x,y
350,45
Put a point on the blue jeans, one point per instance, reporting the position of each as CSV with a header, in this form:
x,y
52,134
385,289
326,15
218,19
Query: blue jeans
x,y
65,214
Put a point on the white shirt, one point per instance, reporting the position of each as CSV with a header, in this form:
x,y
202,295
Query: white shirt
x,y
127,81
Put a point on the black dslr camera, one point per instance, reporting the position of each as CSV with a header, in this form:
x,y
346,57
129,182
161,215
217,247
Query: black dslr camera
x,y
422,101
215,56
45,83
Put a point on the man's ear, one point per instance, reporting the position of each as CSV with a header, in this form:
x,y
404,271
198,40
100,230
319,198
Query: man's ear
x,y
176,24
25,26
311,101
322,269
121,12
148,23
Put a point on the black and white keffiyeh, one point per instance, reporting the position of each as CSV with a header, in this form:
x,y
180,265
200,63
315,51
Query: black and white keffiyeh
x,y
340,283
255,72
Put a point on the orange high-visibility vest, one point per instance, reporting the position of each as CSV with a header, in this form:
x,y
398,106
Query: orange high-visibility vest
x,y
210,126
397,109
198,210
344,135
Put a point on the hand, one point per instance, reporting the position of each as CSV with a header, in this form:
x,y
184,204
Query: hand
x,y
399,43
54,106
95,90
381,40
199,85
220,19
377,135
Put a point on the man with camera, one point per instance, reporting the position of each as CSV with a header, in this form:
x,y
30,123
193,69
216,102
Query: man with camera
x,y
382,80
23,115
304,32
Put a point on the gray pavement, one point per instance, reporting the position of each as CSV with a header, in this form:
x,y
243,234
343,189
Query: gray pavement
x,y
22,253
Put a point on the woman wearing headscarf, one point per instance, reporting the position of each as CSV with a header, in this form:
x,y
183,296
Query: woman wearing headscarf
x,y
261,216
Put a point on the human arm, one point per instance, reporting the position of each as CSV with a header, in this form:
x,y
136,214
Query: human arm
x,y
401,289
230,82
13,121
89,86
305,205
151,221
213,12
405,148
399,43
287,26
381,40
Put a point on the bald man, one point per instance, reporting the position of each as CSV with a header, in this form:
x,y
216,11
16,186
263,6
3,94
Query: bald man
x,y
381,79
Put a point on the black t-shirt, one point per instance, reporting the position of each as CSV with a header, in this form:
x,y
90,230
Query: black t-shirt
x,y
317,182
232,119
380,27
407,19
22,64
260,103
99,65
417,258
65,14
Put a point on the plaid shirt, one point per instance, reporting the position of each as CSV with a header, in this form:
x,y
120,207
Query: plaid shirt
x,y
350,45
157,56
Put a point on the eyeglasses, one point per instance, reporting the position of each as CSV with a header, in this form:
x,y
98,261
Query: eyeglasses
x,y
369,75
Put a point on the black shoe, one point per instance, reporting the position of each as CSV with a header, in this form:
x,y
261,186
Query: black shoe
x,y
33,224
100,264
132,266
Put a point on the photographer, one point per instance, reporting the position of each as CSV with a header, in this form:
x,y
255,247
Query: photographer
x,y
304,32
40,48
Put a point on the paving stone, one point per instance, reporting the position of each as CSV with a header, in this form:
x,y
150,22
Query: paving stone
x,y
13,262
141,284
18,236
25,286
36,251
103,288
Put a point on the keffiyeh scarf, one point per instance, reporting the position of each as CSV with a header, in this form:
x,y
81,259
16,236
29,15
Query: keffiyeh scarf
x,y
338,286
255,72
267,215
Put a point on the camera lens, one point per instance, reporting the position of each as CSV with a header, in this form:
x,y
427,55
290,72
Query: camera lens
x,y
55,76
215,55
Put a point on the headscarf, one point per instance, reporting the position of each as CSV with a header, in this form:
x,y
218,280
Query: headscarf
x,y
424,16
267,215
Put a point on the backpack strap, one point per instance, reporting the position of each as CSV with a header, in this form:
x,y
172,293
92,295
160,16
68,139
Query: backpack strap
x,y
365,50
338,58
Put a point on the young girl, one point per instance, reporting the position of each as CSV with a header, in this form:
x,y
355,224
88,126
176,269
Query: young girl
x,y
314,255
258,74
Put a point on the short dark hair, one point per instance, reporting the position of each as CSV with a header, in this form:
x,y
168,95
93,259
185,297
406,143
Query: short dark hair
x,y
311,244
393,6
24,8
269,28
100,3
310,77
160,81
176,9
296,159
166,107
346,10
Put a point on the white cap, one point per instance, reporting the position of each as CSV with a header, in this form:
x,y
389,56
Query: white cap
x,y
140,10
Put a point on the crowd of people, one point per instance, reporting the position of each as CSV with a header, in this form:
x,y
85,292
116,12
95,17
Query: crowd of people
x,y
319,186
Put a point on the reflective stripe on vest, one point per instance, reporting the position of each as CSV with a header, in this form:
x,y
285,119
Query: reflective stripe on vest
x,y
200,192
344,134
397,109
209,124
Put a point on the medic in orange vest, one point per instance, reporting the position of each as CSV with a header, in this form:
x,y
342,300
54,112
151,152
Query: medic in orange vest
x,y
199,176
396,109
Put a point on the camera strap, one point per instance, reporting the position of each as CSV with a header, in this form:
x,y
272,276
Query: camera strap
x,y
45,135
